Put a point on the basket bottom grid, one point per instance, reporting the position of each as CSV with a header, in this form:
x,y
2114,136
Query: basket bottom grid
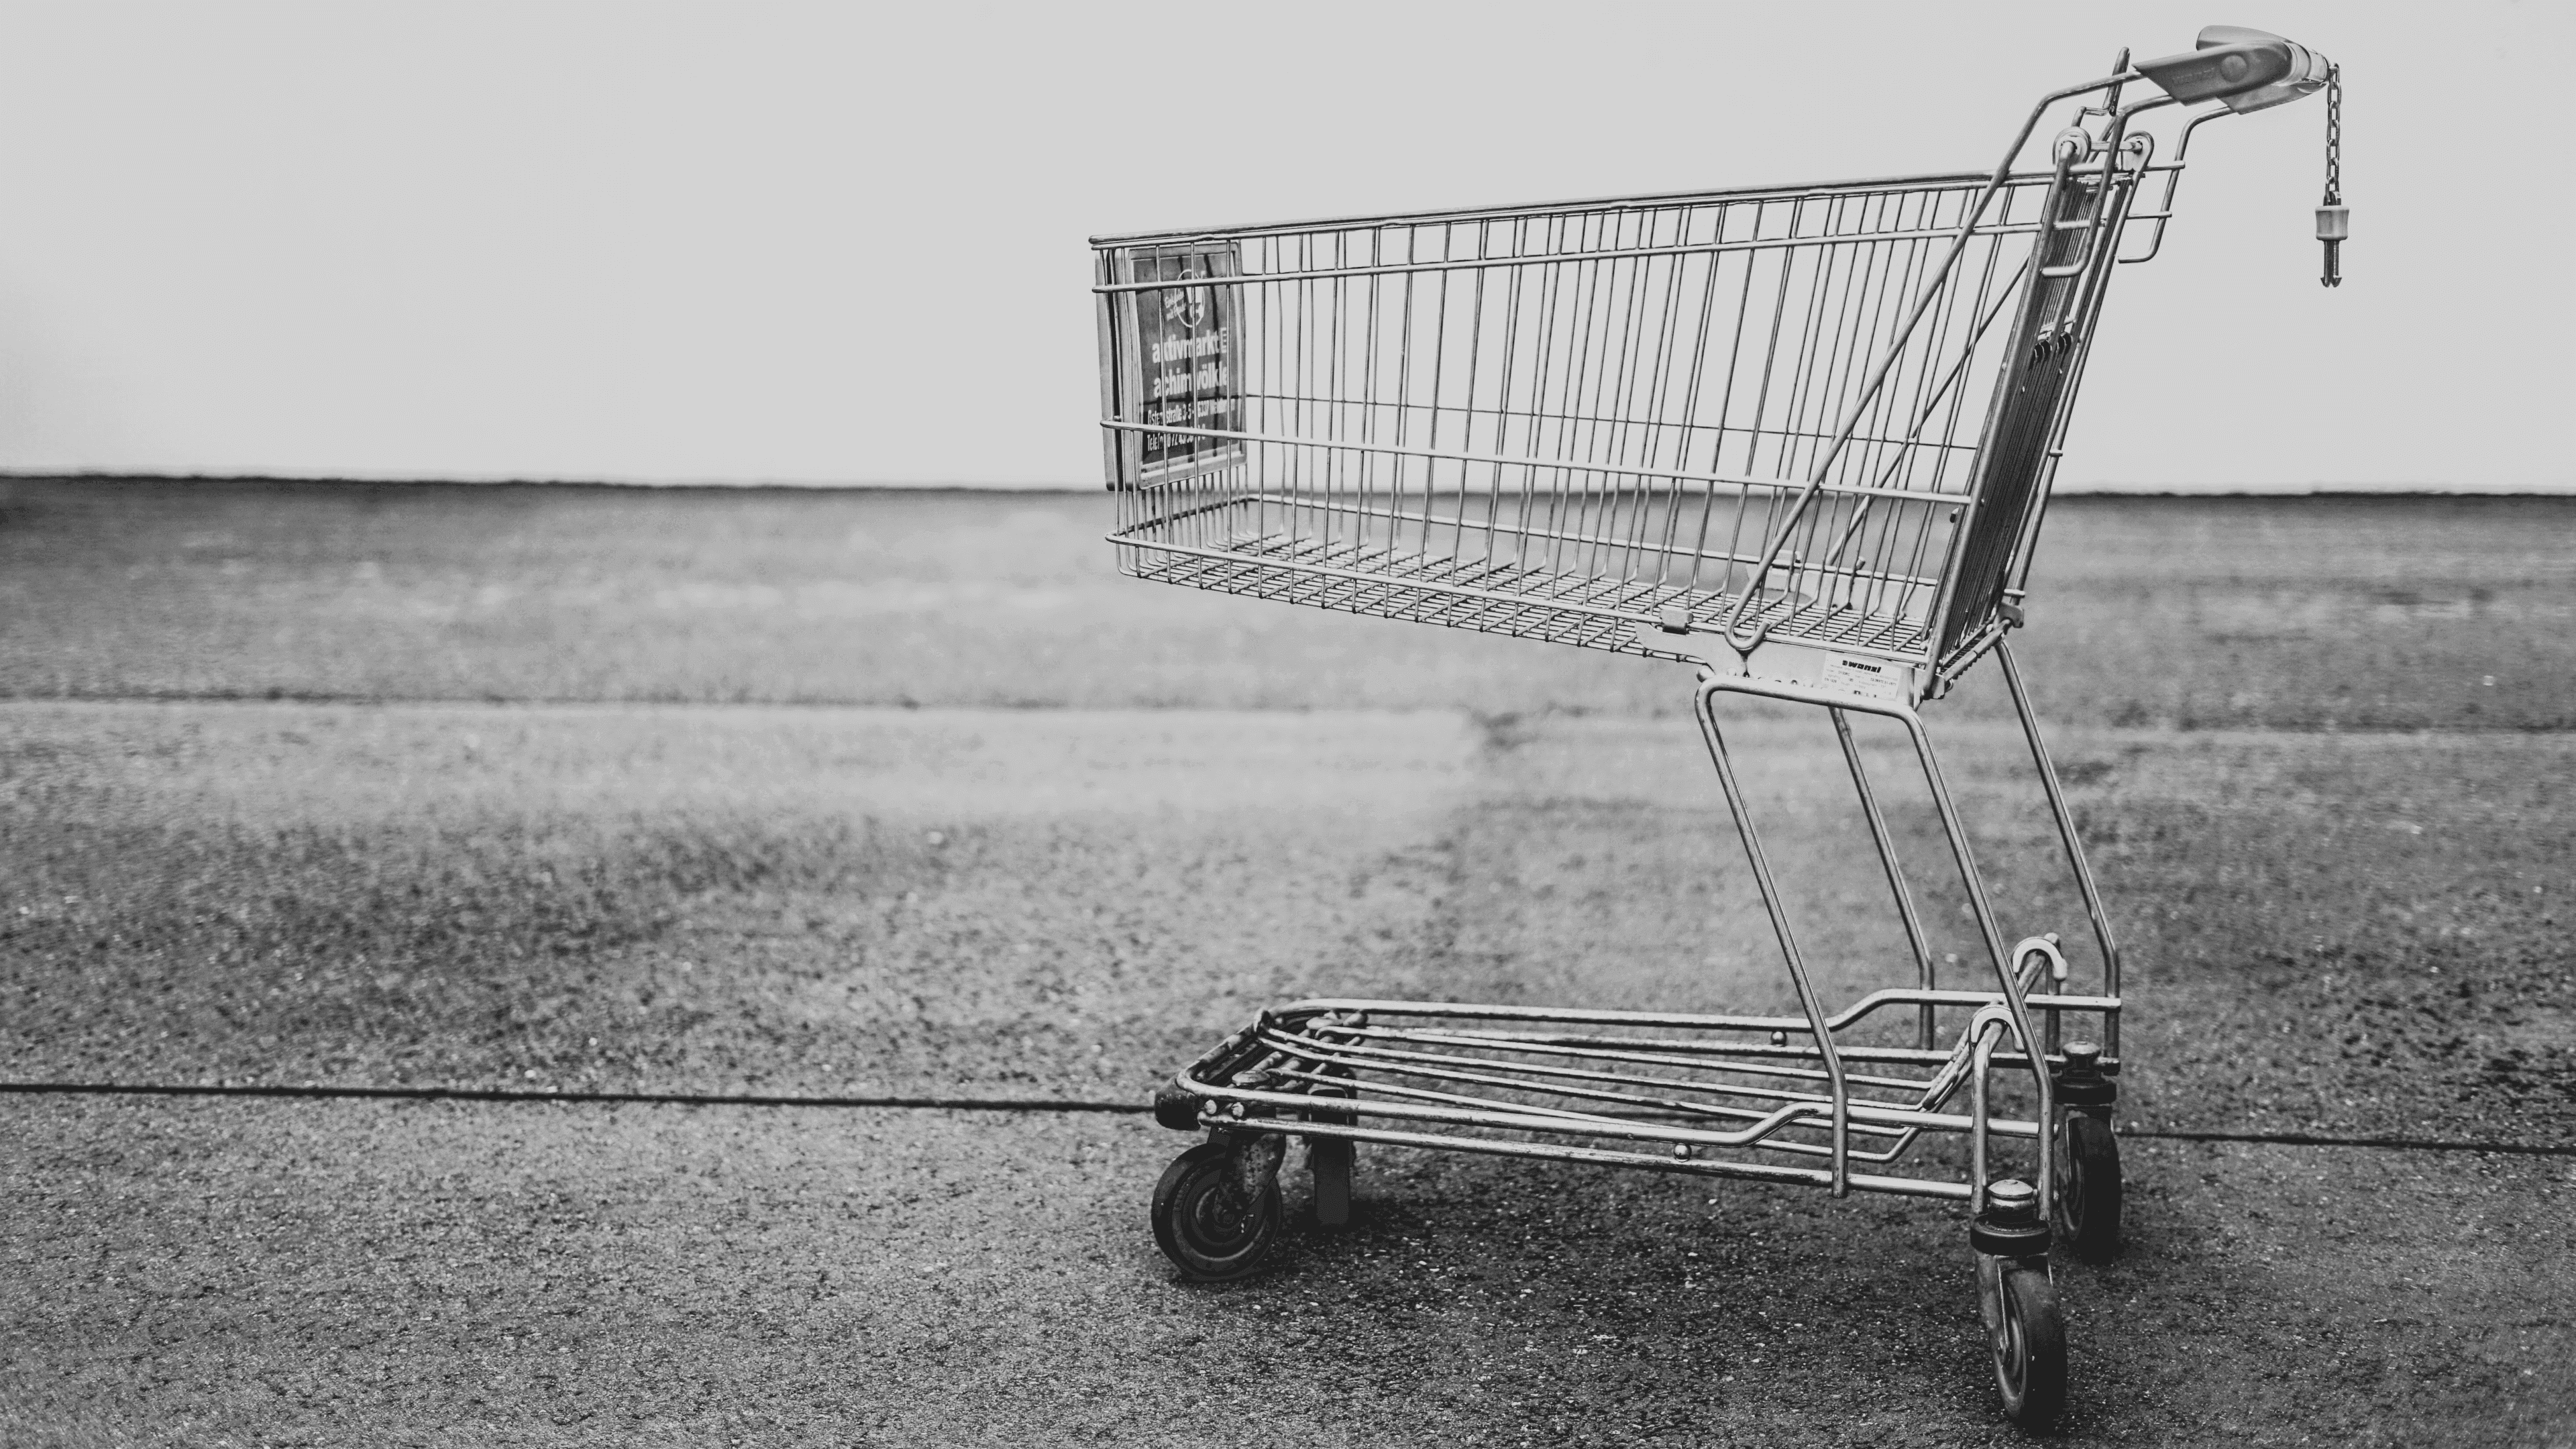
x,y
1511,599
1703,1092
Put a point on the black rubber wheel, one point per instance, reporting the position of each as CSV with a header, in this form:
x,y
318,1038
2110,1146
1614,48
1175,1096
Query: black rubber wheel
x,y
2088,1186
1205,1222
2029,1347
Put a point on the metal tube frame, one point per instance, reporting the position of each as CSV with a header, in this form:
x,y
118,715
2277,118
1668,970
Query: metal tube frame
x,y
1925,972
2007,977
2067,836
1271,1078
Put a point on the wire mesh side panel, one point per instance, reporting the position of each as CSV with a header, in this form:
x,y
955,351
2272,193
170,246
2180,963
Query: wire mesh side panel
x,y
1568,422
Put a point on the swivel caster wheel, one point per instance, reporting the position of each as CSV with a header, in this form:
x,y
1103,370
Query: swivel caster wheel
x,y
2087,1157
2025,1328
1216,1210
2026,1333
2088,1186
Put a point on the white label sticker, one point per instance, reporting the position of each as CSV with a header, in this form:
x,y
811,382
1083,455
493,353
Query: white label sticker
x,y
1868,678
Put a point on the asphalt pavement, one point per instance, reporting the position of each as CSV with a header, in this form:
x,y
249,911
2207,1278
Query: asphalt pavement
x,y
872,797
1061,904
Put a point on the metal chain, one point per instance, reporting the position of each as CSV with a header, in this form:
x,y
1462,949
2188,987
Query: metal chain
x,y
2334,135
2332,220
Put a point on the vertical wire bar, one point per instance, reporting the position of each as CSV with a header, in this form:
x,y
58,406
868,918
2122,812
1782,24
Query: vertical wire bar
x,y
1578,424
1579,438
1647,514
1725,408
1439,378
1336,391
1514,309
1879,535
1904,275
1302,355
1640,403
1619,426
1811,344
1855,336
1275,382
1854,330
1691,395
1494,475
1762,401
1372,346
1612,560
1552,286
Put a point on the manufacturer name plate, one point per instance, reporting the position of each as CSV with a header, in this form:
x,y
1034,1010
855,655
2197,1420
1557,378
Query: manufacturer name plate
x,y
1868,678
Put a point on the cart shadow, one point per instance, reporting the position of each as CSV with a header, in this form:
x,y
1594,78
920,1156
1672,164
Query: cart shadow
x,y
1621,1307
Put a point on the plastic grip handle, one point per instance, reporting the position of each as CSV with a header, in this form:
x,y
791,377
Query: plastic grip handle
x,y
2248,69
2220,71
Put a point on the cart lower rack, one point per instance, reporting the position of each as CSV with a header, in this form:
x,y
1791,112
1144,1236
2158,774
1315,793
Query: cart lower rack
x,y
1800,437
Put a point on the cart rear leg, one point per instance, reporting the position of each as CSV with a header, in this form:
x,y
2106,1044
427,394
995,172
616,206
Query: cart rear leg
x,y
1705,707
1914,937
2070,839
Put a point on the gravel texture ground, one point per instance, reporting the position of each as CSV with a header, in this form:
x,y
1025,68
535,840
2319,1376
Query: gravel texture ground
x,y
2338,932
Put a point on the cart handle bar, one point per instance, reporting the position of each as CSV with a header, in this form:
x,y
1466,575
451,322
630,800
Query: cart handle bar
x,y
2247,70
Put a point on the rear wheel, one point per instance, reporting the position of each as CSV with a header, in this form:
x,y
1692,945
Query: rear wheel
x,y
2088,1186
1331,1158
1208,1220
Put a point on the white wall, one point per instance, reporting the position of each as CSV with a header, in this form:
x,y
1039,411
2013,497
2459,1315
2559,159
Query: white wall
x,y
823,243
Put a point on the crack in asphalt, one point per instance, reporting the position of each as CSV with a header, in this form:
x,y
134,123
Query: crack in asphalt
x,y
1052,1104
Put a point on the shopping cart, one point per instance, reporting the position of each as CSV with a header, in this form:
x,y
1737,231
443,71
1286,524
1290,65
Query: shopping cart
x,y
1801,437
